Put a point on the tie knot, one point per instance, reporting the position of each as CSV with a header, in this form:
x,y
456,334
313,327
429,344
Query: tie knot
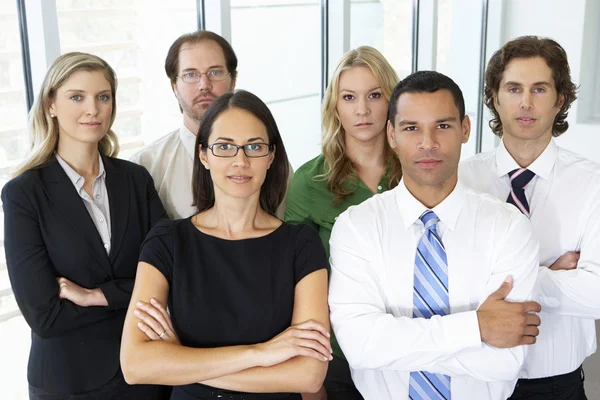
x,y
520,177
429,219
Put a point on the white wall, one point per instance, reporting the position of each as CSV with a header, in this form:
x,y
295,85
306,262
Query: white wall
x,y
564,22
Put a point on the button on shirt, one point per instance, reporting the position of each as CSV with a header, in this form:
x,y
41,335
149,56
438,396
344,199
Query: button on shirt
x,y
564,200
373,247
98,206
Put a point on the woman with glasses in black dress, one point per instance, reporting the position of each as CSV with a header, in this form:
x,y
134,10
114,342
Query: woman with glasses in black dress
x,y
247,293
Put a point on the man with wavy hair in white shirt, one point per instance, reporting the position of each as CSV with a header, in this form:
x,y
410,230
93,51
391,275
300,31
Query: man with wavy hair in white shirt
x,y
529,91
431,282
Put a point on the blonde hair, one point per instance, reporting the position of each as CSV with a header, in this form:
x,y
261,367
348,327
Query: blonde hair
x,y
43,129
338,166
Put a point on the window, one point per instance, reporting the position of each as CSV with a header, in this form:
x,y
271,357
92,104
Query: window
x,y
589,91
278,44
13,114
457,55
385,25
133,37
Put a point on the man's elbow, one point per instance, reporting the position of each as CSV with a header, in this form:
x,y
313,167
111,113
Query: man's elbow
x,y
510,367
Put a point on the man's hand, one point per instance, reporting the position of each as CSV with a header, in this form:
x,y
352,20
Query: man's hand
x,y
81,296
567,261
505,324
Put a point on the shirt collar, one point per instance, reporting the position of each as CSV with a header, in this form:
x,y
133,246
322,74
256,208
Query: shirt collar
x,y
447,211
542,166
188,139
74,177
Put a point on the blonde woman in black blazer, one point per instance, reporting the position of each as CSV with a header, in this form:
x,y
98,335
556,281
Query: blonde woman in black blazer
x,y
75,218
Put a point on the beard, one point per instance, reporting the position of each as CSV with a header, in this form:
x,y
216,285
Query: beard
x,y
196,110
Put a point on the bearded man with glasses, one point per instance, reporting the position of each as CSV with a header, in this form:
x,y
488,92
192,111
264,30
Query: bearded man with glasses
x,y
201,67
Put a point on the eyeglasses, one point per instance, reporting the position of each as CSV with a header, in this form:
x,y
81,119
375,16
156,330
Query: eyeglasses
x,y
251,150
213,75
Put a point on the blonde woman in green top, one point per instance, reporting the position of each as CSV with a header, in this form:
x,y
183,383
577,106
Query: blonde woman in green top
x,y
356,163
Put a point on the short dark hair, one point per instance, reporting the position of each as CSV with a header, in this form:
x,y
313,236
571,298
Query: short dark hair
x,y
530,47
426,82
274,187
172,60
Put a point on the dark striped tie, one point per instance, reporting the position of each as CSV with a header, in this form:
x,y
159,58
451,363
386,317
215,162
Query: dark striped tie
x,y
430,297
519,178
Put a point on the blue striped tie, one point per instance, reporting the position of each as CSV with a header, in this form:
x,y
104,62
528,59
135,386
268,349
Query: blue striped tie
x,y
430,297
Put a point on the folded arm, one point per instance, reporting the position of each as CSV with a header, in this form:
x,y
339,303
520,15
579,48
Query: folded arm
x,y
253,368
32,273
372,338
574,292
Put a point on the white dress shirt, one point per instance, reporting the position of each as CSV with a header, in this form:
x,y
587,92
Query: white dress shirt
x,y
170,161
98,207
373,247
564,200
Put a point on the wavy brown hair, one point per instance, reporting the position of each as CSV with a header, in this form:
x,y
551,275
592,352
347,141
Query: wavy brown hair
x,y
529,47
338,166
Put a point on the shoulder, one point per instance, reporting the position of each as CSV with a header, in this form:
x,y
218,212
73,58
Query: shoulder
x,y
165,228
363,222
578,165
305,174
150,153
314,166
23,184
371,209
128,167
494,215
478,164
303,233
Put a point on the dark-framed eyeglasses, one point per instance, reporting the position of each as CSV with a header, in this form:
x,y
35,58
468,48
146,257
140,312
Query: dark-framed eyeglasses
x,y
251,150
213,75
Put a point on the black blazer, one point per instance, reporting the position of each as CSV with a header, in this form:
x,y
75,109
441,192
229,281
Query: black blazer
x,y
48,234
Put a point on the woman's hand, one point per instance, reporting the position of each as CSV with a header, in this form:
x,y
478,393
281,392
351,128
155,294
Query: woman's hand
x,y
79,295
309,339
155,321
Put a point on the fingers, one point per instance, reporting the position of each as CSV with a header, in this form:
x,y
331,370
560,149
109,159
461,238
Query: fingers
x,y
528,340
531,331
504,289
323,351
156,304
533,320
151,317
315,326
316,337
148,331
531,306
308,352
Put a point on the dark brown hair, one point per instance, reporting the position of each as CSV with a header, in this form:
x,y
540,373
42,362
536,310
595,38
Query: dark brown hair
x,y
274,187
172,60
529,47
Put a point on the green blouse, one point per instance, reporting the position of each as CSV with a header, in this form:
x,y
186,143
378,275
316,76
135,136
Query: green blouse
x,y
309,201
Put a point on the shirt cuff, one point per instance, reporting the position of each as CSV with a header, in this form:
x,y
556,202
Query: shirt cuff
x,y
462,330
546,286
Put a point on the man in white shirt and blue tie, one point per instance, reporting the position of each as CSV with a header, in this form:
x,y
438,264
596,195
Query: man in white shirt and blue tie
x,y
529,91
431,281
